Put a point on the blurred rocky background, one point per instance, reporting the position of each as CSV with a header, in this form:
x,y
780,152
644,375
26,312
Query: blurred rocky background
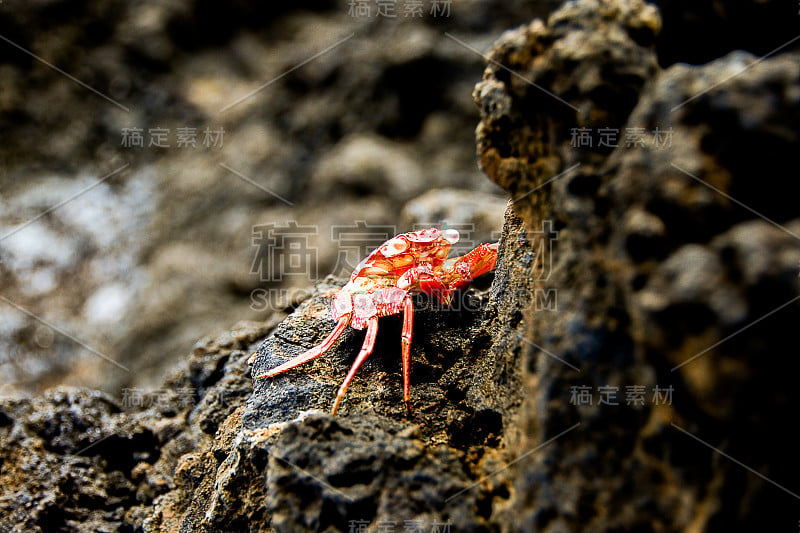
x,y
629,366
156,154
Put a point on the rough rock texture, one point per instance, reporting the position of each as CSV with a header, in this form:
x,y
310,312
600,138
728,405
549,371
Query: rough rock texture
x,y
79,460
666,261
284,461
676,265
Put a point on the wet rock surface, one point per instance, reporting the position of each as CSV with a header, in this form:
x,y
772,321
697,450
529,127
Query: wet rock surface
x,y
628,366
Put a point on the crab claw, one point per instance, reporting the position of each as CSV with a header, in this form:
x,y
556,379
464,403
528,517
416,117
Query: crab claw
x,y
459,271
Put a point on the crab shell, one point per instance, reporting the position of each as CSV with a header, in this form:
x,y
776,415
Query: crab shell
x,y
409,262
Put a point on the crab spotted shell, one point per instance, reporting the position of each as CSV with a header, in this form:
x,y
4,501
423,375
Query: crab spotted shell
x,y
406,250
382,280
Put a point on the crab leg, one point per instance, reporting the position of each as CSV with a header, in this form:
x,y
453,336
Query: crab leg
x,y
405,338
313,353
366,350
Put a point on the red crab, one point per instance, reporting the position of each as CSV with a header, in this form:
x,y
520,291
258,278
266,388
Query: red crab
x,y
381,285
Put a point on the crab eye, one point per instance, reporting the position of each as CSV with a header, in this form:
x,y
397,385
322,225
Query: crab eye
x,y
451,235
426,235
393,247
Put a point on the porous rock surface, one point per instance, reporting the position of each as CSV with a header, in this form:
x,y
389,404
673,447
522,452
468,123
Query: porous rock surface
x,y
673,266
80,460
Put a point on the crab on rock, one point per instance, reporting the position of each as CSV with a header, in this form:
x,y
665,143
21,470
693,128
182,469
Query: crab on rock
x,y
381,285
